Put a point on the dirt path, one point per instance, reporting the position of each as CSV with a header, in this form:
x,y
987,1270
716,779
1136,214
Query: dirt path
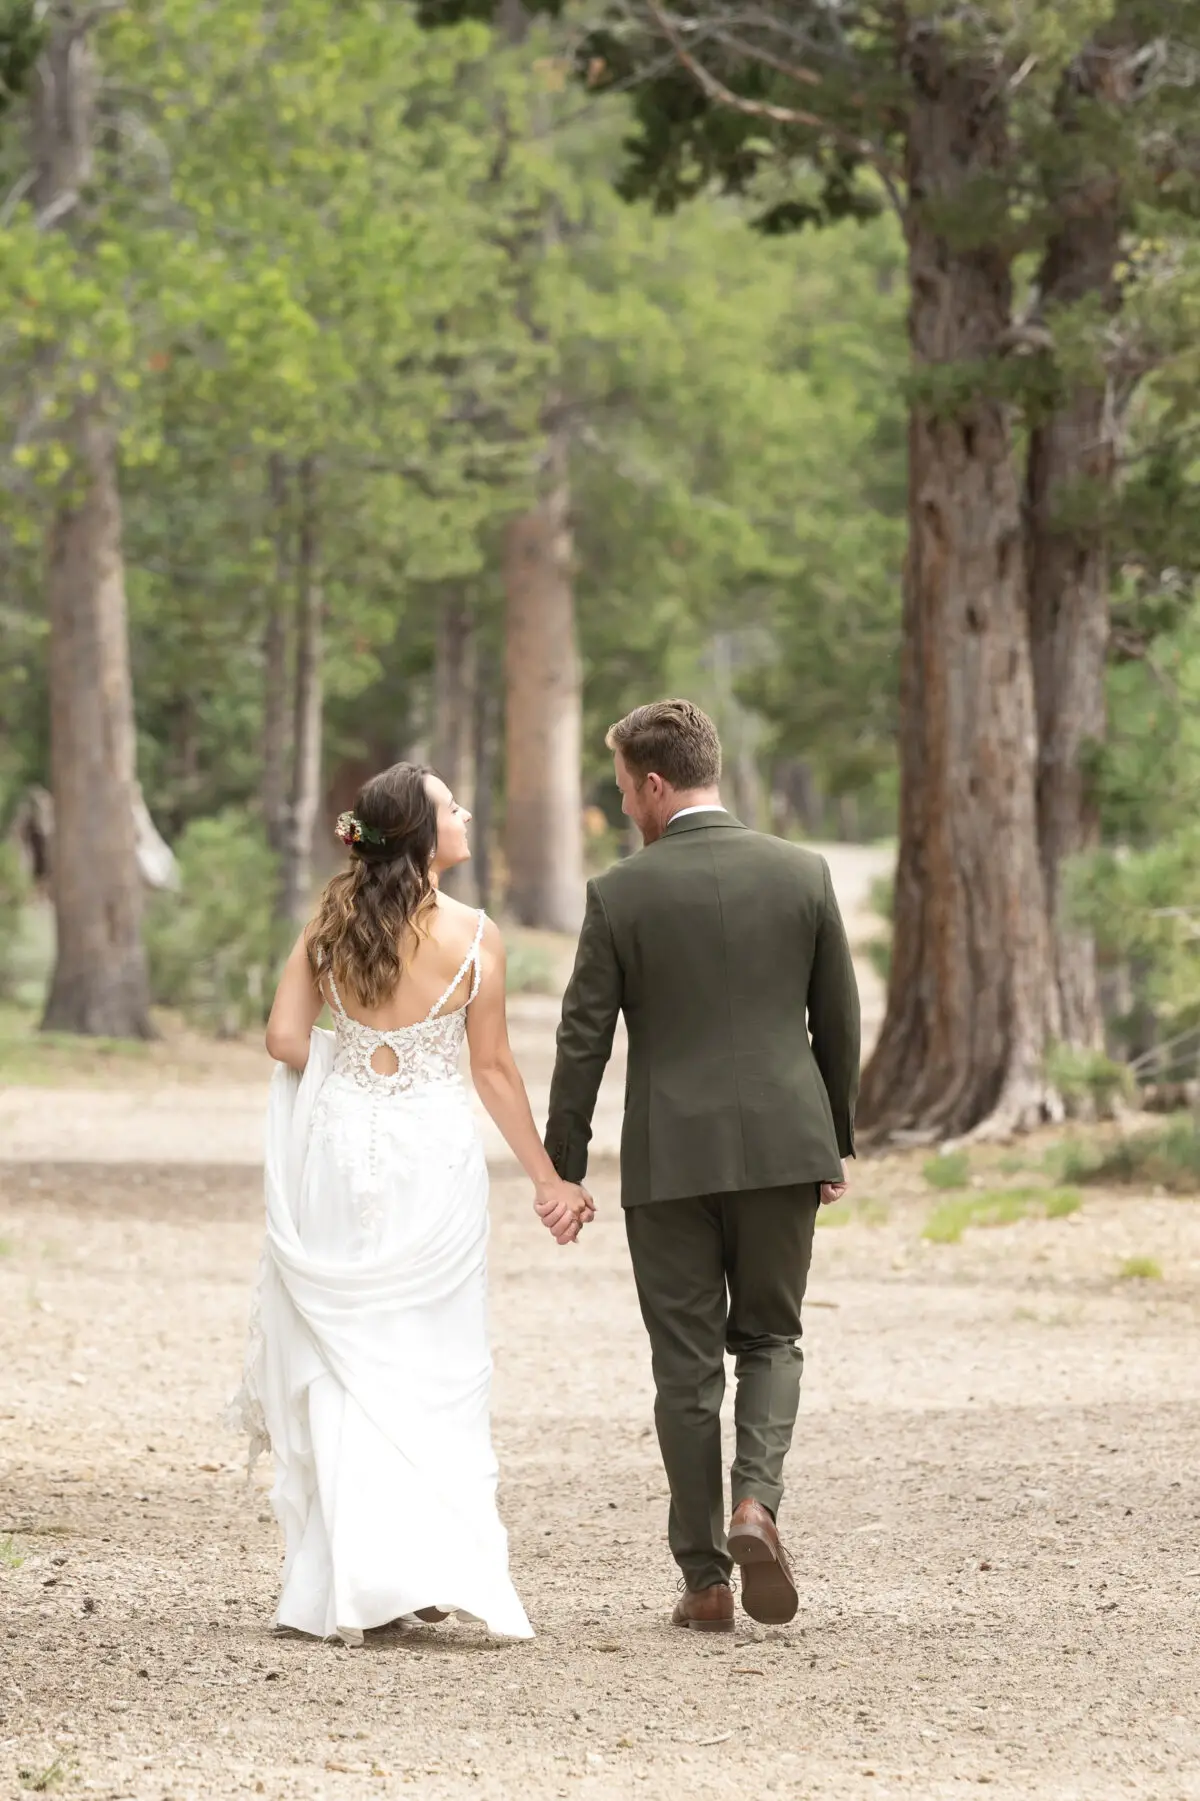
x,y
993,1503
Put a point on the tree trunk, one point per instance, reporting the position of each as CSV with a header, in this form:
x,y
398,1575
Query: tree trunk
x,y
1070,476
488,726
543,681
100,984
453,727
275,739
971,1000
307,714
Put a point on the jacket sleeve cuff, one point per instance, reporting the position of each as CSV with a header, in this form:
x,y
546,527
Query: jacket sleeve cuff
x,y
569,1157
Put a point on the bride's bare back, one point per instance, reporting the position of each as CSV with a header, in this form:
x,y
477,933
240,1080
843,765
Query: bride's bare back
x,y
443,947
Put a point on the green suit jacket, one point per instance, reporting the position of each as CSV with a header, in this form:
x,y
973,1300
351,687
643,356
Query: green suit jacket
x,y
715,942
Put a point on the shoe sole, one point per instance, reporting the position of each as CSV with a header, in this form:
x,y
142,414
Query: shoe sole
x,y
705,1625
768,1592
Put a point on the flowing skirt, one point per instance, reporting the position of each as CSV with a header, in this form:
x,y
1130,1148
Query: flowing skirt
x,y
369,1361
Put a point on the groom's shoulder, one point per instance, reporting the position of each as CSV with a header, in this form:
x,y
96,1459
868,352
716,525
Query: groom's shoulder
x,y
782,857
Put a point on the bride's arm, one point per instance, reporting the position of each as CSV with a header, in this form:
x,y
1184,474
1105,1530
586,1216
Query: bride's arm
x,y
296,1009
499,1086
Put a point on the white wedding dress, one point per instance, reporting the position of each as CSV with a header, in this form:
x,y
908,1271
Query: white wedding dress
x,y
368,1370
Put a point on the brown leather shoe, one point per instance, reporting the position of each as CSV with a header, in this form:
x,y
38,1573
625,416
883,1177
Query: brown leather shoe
x,y
768,1586
432,1616
705,1609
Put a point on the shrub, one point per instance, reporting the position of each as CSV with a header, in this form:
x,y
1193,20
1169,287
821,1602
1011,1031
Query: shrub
x,y
951,1169
14,896
211,945
1169,1158
530,967
1075,1160
882,900
1089,1082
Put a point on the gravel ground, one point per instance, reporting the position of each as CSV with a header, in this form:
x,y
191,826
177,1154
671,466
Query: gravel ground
x,y
993,1505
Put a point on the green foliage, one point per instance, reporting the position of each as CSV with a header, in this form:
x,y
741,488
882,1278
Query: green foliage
x,y
530,967
1140,1269
996,1207
1075,1160
1088,1081
950,1169
11,1555
42,1782
211,946
14,898
1060,1203
882,902
1167,1158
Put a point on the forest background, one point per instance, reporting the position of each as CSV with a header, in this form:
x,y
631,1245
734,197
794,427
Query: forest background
x,y
442,381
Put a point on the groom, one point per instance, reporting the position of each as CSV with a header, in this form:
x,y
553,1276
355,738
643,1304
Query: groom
x,y
715,942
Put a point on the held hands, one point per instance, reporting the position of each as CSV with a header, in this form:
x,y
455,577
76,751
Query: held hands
x,y
564,1208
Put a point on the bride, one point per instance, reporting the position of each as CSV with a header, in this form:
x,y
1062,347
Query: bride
x,y
368,1369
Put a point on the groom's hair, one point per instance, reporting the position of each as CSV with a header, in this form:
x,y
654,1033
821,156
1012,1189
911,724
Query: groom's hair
x,y
670,738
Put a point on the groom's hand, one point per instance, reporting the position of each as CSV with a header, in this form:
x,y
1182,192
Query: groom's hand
x,y
832,1191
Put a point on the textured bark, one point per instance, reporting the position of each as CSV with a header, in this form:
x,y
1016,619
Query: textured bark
x,y
1071,472
543,683
100,985
454,719
308,708
489,713
276,735
971,999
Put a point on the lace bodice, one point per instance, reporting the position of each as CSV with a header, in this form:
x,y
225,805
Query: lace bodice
x,y
426,1053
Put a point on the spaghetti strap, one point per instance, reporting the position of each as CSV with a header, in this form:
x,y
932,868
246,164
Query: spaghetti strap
x,y
336,997
477,957
470,961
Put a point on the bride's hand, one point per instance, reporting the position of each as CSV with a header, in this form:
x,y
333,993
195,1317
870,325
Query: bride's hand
x,y
563,1208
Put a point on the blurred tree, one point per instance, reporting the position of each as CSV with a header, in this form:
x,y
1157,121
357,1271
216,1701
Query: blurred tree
x,y
100,983
992,135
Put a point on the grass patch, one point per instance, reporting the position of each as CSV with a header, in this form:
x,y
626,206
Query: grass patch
x,y
951,1169
996,1207
43,1781
1167,1158
1074,1160
28,1056
11,1554
6,1247
837,1214
1011,1165
1140,1269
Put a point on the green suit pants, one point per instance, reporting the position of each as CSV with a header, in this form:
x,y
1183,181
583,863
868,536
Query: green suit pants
x,y
718,1273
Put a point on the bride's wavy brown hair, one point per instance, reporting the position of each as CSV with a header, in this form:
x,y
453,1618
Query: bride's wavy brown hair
x,y
371,916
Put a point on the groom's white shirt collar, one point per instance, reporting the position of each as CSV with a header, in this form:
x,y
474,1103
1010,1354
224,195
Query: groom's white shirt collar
x,y
712,807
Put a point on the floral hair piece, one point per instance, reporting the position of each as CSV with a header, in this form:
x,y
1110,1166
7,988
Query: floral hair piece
x,y
351,830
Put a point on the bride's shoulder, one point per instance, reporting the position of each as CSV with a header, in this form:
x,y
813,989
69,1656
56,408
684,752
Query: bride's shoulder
x,y
455,912
458,923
